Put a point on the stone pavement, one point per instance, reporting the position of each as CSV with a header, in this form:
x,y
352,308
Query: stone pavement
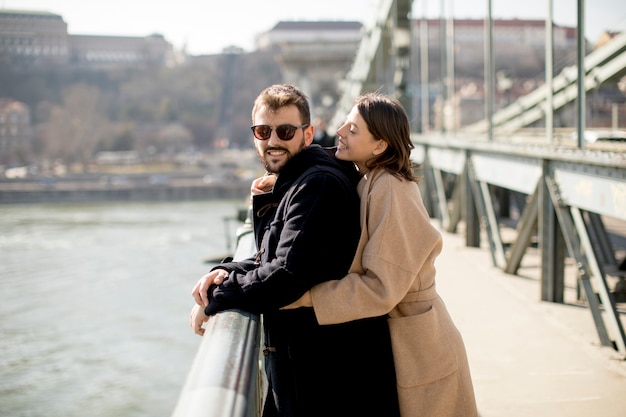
x,y
528,358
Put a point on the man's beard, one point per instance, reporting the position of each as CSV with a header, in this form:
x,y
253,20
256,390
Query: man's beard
x,y
270,167
275,168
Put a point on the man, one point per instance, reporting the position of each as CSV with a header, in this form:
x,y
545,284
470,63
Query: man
x,y
321,136
306,229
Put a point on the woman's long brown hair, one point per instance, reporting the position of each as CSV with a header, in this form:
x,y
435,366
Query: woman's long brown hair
x,y
387,120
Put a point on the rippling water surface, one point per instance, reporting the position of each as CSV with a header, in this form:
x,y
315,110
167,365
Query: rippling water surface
x,y
95,301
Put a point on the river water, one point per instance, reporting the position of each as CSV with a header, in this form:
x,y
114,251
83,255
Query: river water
x,y
94,304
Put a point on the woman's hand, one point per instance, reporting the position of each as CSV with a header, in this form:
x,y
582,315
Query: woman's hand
x,y
263,184
199,291
304,301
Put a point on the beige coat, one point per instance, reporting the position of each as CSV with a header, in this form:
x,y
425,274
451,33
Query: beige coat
x,y
393,273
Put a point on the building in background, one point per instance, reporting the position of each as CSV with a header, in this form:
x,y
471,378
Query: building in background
x,y
106,51
39,37
316,56
33,35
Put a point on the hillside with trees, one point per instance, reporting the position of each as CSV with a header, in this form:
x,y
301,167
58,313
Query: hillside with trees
x,y
201,105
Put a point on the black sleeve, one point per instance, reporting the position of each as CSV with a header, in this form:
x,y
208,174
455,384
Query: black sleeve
x,y
316,243
240,267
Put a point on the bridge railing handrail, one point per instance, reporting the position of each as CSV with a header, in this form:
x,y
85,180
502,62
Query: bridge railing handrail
x,y
224,379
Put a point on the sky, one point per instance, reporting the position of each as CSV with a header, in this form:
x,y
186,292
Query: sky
x,y
208,26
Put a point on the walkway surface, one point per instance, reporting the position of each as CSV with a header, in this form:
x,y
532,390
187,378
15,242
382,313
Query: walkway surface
x,y
528,358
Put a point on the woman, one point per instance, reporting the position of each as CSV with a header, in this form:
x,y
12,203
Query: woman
x,y
393,270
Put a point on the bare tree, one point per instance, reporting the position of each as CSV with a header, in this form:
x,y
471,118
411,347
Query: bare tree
x,y
75,128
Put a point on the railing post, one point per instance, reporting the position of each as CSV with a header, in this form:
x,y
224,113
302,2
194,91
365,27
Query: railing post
x,y
551,243
472,221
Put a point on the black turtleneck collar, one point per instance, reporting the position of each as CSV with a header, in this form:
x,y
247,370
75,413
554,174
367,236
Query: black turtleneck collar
x,y
314,155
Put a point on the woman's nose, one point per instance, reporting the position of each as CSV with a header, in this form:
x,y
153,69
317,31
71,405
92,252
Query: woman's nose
x,y
340,131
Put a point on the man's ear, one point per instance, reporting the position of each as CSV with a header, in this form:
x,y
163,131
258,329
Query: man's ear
x,y
308,135
381,147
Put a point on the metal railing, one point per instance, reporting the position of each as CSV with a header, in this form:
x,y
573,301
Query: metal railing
x,y
225,379
565,195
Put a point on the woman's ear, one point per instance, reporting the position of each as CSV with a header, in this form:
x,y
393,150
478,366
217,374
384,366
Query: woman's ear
x,y
381,146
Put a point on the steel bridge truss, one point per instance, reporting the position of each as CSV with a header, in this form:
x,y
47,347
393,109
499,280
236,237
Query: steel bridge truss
x,y
563,199
382,59
601,65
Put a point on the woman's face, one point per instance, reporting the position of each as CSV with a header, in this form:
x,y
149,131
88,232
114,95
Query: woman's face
x,y
356,143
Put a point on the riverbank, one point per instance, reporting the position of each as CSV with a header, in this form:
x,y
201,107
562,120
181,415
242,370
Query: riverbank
x,y
144,187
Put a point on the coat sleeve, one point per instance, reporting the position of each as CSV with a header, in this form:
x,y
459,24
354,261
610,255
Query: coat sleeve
x,y
401,241
311,217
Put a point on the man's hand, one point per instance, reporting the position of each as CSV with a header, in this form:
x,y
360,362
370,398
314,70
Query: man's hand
x,y
199,292
197,318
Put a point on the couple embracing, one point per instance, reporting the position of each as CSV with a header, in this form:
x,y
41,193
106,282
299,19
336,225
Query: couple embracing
x,y
344,275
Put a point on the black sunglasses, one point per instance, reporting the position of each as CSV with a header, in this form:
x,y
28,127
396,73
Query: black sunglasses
x,y
284,132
